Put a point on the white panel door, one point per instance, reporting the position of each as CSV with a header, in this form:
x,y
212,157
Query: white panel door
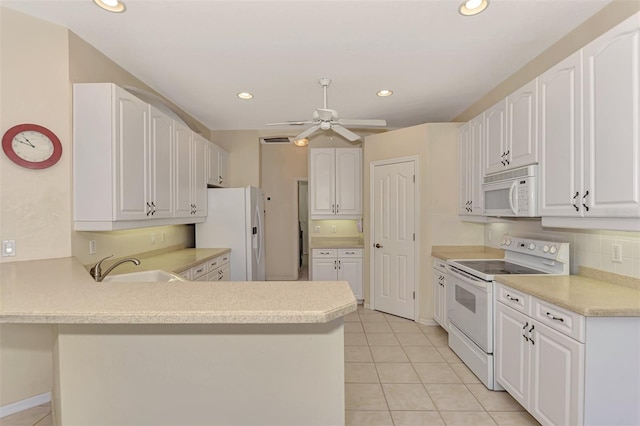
x,y
350,269
557,375
393,202
522,113
612,122
160,164
560,138
348,181
512,352
495,142
132,138
183,171
322,181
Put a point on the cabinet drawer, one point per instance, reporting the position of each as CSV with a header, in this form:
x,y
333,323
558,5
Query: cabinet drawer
x,y
223,259
198,271
185,274
213,263
350,253
566,322
439,264
513,298
324,253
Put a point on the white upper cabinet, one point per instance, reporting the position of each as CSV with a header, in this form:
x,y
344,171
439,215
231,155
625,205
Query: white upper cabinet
x,y
470,155
218,166
191,173
335,187
122,161
590,134
510,131
560,133
611,65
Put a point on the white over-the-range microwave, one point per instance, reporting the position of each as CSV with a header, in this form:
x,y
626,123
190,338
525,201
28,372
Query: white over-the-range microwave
x,y
513,193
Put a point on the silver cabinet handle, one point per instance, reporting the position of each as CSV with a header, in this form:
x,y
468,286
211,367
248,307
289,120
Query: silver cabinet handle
x,y
335,264
148,209
531,338
515,299
333,208
339,264
524,329
337,208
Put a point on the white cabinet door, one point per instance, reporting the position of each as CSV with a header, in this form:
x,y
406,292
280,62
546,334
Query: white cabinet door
x,y
560,136
213,168
495,142
348,192
350,269
464,161
522,141
557,369
322,181
476,171
223,168
183,171
324,269
131,139
199,181
612,123
160,164
438,298
224,273
512,352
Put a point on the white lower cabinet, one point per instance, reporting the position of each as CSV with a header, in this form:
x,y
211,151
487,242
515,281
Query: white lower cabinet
x,y
216,269
564,368
340,265
440,293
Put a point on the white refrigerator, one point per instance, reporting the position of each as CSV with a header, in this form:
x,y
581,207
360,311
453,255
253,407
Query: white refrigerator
x,y
235,219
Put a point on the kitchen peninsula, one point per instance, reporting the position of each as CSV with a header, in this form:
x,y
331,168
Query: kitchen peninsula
x,y
188,352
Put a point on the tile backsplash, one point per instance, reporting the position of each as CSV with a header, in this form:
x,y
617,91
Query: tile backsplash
x,y
591,248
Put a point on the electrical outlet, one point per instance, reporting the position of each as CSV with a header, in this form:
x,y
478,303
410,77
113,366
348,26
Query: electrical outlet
x,y
92,247
316,228
490,239
616,253
8,248
333,229
153,238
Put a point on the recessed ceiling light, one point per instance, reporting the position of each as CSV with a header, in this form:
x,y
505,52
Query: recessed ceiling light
x,y
473,7
385,93
301,142
245,95
111,5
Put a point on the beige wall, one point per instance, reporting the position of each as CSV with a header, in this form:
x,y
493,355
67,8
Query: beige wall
x,y
611,15
243,147
436,146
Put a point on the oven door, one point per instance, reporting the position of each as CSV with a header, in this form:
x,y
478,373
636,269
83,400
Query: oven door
x,y
469,307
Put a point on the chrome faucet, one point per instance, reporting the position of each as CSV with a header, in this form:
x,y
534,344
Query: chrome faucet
x,y
96,271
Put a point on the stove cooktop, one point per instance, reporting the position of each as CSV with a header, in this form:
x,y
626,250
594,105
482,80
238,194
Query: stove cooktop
x,y
497,267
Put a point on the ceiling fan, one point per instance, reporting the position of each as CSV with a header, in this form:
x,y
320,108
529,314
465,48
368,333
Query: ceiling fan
x,y
327,119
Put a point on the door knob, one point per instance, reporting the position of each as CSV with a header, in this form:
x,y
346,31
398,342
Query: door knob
x,y
378,246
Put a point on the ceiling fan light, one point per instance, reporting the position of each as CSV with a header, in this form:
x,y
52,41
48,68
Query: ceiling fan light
x,y
384,93
115,6
473,7
301,142
245,95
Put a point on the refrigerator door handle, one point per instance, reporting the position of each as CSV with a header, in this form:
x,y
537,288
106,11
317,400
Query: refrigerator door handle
x,y
259,233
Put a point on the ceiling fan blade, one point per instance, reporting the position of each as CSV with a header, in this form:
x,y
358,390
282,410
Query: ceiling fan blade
x,y
290,123
362,123
307,132
347,134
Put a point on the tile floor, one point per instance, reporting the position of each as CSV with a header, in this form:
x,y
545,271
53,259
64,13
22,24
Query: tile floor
x,y
398,373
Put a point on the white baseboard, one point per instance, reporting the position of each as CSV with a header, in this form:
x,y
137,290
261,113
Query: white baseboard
x,y
25,404
367,306
427,321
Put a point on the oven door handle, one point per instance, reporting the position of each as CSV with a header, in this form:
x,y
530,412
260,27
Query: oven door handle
x,y
467,278
513,201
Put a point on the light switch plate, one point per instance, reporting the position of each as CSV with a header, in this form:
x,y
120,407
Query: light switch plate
x,y
316,228
92,247
8,248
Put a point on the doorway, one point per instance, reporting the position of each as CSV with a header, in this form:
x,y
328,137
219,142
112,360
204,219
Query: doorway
x,y
393,233
302,191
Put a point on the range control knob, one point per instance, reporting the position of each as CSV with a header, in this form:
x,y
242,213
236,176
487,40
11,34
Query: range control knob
x,y
545,249
553,249
503,242
508,241
532,246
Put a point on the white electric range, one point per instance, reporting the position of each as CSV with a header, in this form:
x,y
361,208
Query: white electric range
x,y
471,302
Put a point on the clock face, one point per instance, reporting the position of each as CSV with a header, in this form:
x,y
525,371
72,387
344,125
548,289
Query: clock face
x,y
32,146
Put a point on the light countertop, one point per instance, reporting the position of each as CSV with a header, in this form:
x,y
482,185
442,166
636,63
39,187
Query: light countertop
x,y
337,242
174,261
62,291
584,295
466,252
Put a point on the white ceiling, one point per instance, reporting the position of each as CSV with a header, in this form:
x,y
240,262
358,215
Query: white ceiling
x,y
201,53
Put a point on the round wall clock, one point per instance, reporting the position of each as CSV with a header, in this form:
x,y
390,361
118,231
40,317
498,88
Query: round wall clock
x,y
32,146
